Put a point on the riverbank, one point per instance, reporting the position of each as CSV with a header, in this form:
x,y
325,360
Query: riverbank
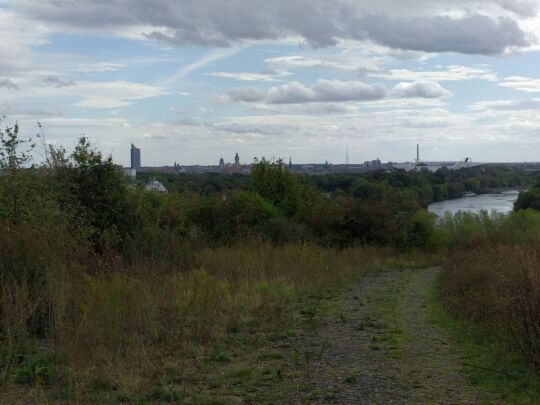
x,y
499,202
501,190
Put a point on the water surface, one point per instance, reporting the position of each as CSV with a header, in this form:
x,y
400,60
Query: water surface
x,y
503,202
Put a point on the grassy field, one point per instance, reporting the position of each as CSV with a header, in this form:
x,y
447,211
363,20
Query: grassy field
x,y
219,331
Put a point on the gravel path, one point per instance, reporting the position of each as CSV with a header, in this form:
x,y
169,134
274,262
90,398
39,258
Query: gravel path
x,y
378,346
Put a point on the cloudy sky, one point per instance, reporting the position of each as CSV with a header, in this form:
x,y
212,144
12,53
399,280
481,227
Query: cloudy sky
x,y
195,80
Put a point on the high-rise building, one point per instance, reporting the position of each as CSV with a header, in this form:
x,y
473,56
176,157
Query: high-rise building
x,y
237,160
221,163
135,157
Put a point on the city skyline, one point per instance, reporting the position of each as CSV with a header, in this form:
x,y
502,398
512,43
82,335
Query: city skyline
x,y
224,163
295,78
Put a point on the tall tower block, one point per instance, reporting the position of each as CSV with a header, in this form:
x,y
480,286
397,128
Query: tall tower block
x,y
417,152
135,157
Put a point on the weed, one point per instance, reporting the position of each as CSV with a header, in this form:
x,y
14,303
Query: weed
x,y
352,378
33,370
273,355
219,356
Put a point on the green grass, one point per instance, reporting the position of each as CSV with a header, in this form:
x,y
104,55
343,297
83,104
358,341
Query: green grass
x,y
488,361
386,318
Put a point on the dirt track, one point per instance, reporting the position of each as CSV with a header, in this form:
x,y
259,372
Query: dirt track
x,y
377,345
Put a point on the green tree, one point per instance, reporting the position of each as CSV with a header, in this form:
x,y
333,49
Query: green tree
x,y
16,180
362,188
100,196
272,181
528,199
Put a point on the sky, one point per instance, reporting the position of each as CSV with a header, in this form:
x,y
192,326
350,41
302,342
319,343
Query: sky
x,y
191,81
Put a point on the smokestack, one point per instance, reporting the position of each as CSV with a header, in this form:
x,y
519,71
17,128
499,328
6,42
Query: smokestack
x,y
417,152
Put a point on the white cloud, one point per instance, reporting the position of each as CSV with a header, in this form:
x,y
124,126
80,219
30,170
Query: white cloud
x,y
97,67
321,91
522,84
14,110
508,105
446,73
251,77
366,65
293,92
112,94
18,37
334,91
303,62
422,89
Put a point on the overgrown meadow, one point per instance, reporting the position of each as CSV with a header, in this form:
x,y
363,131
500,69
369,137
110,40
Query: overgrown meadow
x,y
107,290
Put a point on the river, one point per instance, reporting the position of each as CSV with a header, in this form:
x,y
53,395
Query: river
x,y
503,202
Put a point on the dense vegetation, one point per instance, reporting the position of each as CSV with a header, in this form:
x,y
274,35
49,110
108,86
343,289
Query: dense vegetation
x,y
529,198
426,187
151,281
491,285
154,282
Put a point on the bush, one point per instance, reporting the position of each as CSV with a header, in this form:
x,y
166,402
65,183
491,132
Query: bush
x,y
281,230
423,233
467,230
33,370
284,190
499,289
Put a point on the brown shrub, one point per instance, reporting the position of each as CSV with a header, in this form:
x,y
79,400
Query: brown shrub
x,y
498,287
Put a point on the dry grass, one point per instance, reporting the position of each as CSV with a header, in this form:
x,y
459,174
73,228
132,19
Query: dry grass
x,y
498,287
80,330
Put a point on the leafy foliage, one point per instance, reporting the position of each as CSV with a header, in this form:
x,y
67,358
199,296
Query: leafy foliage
x,y
275,183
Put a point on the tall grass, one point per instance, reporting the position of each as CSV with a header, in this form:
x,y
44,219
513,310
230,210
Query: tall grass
x,y
492,277
92,319
467,230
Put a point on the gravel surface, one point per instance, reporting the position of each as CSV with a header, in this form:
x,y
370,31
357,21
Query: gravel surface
x,y
377,345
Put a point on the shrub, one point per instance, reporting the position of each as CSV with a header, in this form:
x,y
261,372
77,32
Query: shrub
x,y
423,233
498,287
284,190
32,370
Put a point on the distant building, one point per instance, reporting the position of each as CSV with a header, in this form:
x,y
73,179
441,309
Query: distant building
x,y
221,163
237,160
135,157
155,185
372,164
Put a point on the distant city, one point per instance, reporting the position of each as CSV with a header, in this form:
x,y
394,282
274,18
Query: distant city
x,y
237,167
